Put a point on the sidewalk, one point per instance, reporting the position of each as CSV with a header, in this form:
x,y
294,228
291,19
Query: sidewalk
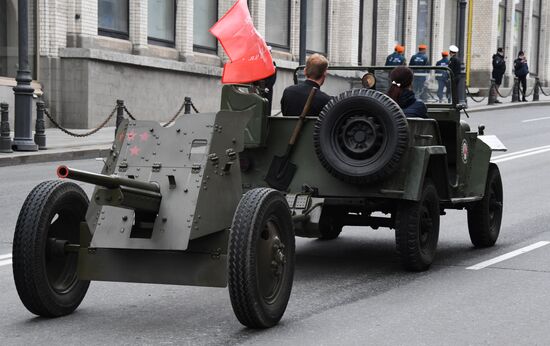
x,y
61,147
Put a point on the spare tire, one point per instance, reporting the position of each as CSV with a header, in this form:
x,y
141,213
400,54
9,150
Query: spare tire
x,y
360,136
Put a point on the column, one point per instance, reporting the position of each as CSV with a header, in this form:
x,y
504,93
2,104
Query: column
x,y
385,30
138,26
184,30
343,32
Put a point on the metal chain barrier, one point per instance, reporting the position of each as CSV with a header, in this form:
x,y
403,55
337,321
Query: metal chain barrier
x,y
473,98
187,101
528,94
85,134
504,96
542,91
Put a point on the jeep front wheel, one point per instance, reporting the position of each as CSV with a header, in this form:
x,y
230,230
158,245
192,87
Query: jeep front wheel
x,y
485,216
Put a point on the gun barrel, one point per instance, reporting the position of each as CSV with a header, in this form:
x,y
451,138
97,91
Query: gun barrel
x,y
110,182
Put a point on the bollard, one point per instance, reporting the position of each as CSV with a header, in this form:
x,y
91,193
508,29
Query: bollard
x,y
187,105
492,93
515,90
536,95
5,139
40,127
119,114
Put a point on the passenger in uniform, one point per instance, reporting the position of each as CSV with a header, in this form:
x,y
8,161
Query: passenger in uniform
x,y
420,59
295,96
401,92
442,77
397,58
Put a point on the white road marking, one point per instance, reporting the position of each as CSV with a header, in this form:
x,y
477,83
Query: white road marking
x,y
536,119
5,262
508,255
499,159
520,152
3,257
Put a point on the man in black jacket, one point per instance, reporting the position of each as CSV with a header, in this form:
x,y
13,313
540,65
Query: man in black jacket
x,y
499,68
521,69
295,96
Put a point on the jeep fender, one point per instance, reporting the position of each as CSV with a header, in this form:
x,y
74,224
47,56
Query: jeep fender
x,y
427,162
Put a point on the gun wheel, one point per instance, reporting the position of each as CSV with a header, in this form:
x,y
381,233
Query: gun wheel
x,y
261,258
45,272
485,216
417,230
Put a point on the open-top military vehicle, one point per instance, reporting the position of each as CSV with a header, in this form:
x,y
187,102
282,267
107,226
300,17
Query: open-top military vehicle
x,y
190,204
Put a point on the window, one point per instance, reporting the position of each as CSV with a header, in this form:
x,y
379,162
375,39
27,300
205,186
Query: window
x,y
317,18
424,23
113,18
518,26
161,22
400,8
205,14
535,37
277,23
501,34
9,40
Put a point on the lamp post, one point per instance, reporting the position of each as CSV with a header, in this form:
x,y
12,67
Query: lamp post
x,y
461,50
23,140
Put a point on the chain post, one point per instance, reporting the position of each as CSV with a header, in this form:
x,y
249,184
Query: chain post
x,y
119,113
492,93
515,90
40,127
5,139
187,105
536,95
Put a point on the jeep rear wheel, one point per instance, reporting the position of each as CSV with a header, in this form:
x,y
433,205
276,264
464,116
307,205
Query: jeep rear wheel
x,y
360,136
417,230
485,216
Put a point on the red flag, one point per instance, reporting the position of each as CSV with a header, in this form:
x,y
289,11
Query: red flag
x,y
249,56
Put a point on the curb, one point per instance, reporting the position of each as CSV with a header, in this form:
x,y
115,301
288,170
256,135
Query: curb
x,y
54,155
508,106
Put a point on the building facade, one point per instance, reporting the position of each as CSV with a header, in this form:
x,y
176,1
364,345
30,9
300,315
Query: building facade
x,y
85,54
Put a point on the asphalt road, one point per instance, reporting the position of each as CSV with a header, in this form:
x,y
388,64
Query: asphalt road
x,y
348,291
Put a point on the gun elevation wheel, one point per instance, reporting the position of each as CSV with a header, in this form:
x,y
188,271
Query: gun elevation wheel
x,y
45,272
417,230
485,216
261,258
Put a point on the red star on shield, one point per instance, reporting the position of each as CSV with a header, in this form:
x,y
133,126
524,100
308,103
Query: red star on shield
x,y
134,151
131,135
144,136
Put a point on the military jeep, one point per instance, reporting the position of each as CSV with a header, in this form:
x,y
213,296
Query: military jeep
x,y
210,201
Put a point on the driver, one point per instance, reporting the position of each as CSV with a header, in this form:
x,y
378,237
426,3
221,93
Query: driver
x,y
295,96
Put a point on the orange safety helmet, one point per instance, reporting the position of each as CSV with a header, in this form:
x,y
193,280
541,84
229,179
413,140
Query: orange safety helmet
x,y
422,46
445,53
399,49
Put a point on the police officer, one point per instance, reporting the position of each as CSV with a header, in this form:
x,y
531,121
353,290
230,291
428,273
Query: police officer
x,y
454,65
397,58
442,77
295,96
521,70
420,59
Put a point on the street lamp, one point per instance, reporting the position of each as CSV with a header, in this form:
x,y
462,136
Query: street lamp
x,y
461,50
23,91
